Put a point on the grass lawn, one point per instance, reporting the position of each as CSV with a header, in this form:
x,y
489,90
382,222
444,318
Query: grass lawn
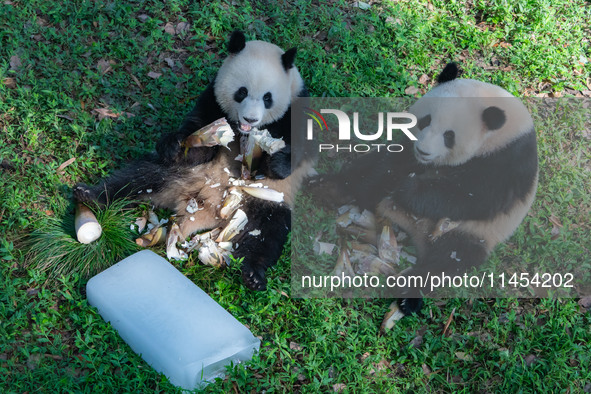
x,y
85,86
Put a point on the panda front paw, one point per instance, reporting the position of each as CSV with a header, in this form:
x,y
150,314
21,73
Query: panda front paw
x,y
280,164
83,193
169,148
254,278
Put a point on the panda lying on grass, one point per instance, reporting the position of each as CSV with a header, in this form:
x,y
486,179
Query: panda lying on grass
x,y
474,163
254,88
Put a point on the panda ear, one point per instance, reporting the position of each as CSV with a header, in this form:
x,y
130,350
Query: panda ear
x,y
494,118
288,58
237,42
449,73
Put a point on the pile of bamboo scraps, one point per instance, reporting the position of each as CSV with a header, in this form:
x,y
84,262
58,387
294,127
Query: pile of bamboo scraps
x,y
214,247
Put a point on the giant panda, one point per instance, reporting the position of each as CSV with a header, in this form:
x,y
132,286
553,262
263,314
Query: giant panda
x,y
254,87
474,162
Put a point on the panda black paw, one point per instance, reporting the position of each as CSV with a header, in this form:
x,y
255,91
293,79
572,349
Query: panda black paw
x,y
280,164
254,278
83,193
169,148
408,306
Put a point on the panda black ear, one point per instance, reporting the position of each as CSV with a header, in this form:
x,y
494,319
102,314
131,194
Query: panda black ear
x,y
494,118
237,42
288,58
449,73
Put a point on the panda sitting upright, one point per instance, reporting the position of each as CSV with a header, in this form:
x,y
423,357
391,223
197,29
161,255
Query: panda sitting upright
x,y
254,87
474,164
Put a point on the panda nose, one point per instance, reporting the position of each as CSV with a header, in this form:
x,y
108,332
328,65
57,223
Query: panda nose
x,y
421,152
250,120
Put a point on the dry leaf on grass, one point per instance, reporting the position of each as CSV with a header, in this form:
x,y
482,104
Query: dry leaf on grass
x,y
411,90
15,62
103,113
9,82
65,164
104,66
585,302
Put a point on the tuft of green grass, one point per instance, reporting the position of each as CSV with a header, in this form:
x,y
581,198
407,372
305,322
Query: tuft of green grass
x,y
54,249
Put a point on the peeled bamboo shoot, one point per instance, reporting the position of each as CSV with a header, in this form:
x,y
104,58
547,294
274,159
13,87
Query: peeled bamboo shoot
x,y
87,227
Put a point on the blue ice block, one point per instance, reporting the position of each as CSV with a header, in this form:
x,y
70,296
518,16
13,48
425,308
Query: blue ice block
x,y
174,325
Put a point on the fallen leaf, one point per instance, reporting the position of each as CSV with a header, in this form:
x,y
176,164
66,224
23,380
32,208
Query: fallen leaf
x,y
321,36
295,346
555,221
169,61
502,45
169,28
411,90
31,291
65,164
417,341
463,356
529,359
154,75
323,248
585,302
15,62
426,370
556,226
383,364
105,113
33,361
9,83
423,79
555,233
104,66
361,5
449,320
182,27
137,82
66,117
393,20
337,388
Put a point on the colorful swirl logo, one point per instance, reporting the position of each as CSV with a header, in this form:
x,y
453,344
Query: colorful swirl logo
x,y
317,118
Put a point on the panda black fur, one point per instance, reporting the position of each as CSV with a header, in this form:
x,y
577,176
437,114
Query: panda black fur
x,y
254,87
484,178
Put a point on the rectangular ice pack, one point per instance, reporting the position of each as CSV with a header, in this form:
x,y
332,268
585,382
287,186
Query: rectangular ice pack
x,y
174,325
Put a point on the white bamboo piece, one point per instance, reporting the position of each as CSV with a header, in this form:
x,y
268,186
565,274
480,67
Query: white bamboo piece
x,y
87,227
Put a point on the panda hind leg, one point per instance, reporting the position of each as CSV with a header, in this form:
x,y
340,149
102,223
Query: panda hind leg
x,y
453,253
135,181
263,250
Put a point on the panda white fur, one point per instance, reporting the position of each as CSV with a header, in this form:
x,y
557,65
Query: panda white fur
x,y
254,87
474,163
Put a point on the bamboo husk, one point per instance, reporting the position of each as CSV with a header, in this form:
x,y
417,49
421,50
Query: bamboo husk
x,y
217,133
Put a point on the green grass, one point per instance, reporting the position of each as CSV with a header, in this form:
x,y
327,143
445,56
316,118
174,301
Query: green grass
x,y
60,62
54,249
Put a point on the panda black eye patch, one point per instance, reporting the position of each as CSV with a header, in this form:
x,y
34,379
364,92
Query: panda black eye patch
x,y
240,94
268,100
449,139
424,122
